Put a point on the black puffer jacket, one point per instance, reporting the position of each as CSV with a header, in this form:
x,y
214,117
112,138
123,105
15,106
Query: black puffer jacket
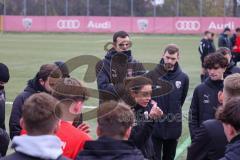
x,y
209,142
105,148
112,70
204,103
142,131
16,113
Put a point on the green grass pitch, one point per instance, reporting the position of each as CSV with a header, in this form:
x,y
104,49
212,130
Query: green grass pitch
x,y
24,53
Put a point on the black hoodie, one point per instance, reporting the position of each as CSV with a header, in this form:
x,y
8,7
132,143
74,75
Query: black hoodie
x,y
105,148
33,86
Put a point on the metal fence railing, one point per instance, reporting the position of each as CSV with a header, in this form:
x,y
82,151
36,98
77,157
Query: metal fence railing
x,y
144,8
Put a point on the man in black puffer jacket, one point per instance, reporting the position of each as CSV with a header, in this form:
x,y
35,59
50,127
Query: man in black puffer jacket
x,y
229,115
114,128
42,82
116,66
168,129
205,97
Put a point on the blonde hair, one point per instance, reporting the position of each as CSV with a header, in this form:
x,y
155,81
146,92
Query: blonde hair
x,y
232,86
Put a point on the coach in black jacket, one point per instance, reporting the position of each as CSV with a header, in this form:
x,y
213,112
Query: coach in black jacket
x,y
209,142
205,97
116,66
169,128
40,83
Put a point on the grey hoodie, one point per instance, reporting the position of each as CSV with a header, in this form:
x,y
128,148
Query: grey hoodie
x,y
44,147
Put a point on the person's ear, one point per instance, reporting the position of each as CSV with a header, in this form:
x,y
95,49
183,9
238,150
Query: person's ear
x,y
41,81
178,56
22,124
220,97
127,133
229,131
76,107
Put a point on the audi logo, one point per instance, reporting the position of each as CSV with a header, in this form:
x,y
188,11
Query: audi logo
x,y
68,24
187,25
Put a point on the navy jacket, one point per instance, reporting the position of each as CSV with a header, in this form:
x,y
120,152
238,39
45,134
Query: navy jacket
x,y
114,69
209,142
204,103
142,131
105,148
16,113
224,41
171,103
233,149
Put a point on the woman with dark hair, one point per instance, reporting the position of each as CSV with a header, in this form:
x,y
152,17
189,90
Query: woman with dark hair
x,y
139,91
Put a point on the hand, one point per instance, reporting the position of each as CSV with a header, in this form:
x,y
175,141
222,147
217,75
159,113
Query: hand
x,y
84,127
155,112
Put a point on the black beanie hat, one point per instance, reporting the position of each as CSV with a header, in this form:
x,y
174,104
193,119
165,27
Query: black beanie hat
x,y
4,73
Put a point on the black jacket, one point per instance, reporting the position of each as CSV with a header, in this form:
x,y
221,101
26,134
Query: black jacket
x,y
16,113
142,131
171,103
20,156
209,142
2,108
4,142
233,149
231,69
204,103
105,148
114,69
224,41
206,46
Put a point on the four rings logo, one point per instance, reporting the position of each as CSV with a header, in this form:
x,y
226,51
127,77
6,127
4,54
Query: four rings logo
x,y
186,25
68,24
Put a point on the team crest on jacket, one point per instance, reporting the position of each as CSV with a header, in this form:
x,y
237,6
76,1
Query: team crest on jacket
x,y
178,84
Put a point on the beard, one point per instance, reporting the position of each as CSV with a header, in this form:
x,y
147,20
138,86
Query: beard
x,y
168,66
